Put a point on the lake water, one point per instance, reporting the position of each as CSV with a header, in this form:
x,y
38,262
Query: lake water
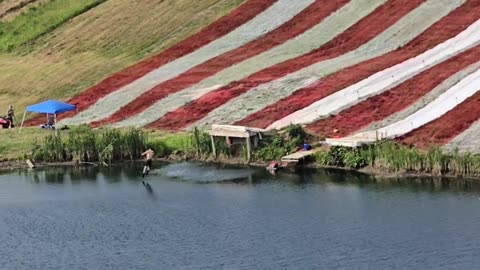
x,y
207,217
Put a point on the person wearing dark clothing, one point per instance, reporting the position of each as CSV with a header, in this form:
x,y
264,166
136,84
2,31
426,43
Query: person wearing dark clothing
x,y
10,115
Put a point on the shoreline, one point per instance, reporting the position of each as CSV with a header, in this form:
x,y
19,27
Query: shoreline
x,y
8,166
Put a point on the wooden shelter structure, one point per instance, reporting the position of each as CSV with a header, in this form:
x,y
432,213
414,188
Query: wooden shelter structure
x,y
230,132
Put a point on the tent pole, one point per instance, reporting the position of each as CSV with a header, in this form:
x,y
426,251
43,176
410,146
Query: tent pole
x,y
55,121
23,120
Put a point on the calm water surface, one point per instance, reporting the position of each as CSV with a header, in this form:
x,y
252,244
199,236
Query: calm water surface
x,y
207,217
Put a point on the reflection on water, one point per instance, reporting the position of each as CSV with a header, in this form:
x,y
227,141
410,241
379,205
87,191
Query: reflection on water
x,y
196,172
201,216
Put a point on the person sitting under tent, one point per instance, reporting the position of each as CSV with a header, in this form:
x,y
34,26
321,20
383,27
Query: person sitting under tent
x,y
50,122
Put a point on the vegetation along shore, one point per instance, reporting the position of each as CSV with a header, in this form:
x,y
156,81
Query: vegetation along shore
x,y
82,144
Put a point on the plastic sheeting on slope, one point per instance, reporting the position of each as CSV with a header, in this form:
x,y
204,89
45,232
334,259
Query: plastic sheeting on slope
x,y
383,80
274,16
467,141
294,29
401,96
395,36
432,95
304,43
444,29
435,109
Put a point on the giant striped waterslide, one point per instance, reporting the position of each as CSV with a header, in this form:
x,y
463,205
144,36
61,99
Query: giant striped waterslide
x,y
407,68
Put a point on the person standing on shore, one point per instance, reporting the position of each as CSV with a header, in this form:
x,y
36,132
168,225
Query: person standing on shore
x,y
148,161
10,115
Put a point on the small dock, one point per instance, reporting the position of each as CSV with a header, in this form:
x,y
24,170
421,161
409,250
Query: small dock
x,y
357,140
298,156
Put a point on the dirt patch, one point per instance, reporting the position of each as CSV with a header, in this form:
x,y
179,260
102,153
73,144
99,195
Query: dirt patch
x,y
214,31
355,36
303,21
12,165
448,126
448,27
393,100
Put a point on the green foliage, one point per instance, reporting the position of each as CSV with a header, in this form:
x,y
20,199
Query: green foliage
x,y
202,143
279,145
341,157
178,143
354,159
53,149
394,157
134,141
82,144
323,158
85,144
40,20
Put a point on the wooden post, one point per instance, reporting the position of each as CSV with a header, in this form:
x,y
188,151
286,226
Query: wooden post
x,y
23,120
213,146
30,164
249,148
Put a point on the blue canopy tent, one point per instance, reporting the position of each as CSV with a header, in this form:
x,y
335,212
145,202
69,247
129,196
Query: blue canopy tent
x,y
49,107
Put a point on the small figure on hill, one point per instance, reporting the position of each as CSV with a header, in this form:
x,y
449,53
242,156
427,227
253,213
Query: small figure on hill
x,y
10,115
148,161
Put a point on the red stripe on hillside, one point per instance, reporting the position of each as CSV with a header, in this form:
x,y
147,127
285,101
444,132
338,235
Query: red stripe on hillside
x,y
303,21
448,126
216,30
352,38
398,98
446,28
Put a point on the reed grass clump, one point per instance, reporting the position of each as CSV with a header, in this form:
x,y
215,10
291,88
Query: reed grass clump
x,y
82,143
394,157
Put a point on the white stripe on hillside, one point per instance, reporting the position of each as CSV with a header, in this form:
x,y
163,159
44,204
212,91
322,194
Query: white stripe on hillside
x,y
318,35
468,141
435,109
277,14
429,97
384,80
395,36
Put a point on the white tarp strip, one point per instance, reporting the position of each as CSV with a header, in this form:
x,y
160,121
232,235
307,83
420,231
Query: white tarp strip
x,y
435,109
429,97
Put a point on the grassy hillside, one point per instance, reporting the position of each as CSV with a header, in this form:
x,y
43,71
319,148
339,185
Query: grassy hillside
x,y
59,47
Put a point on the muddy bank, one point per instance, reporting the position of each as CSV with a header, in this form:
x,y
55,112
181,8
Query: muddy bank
x,y
6,166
